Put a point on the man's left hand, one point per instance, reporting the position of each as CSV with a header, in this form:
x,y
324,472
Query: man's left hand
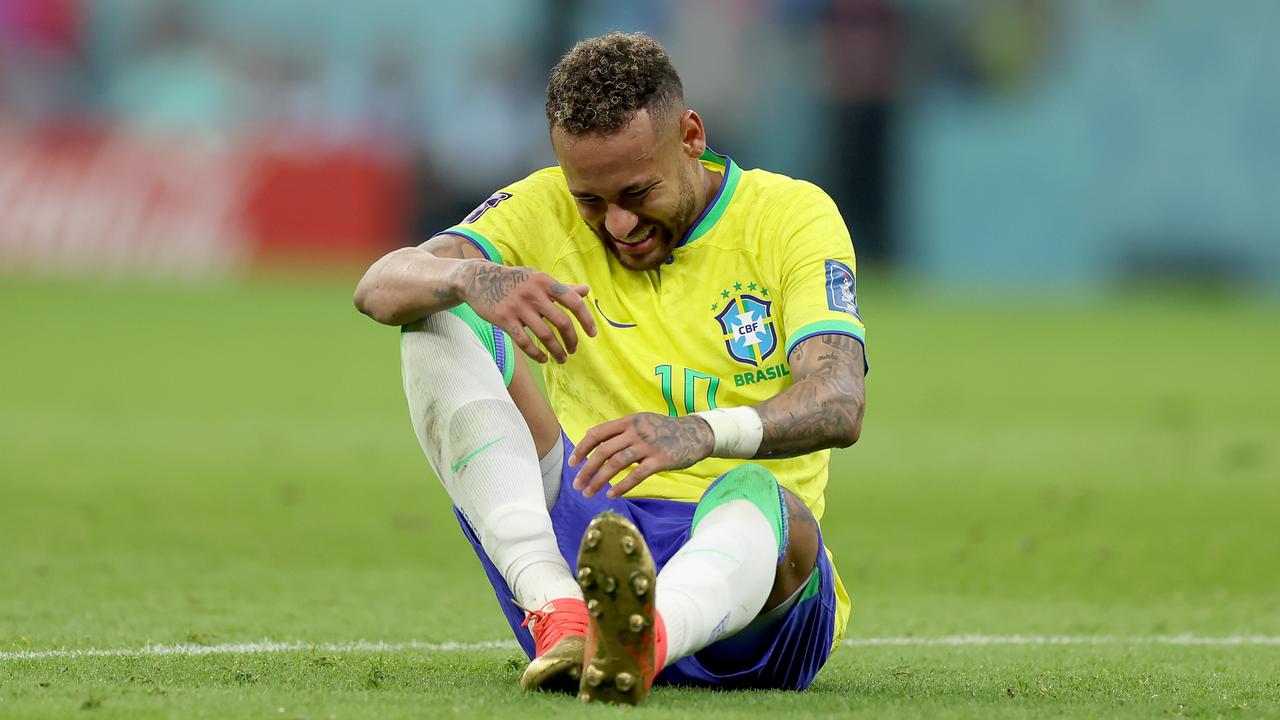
x,y
649,441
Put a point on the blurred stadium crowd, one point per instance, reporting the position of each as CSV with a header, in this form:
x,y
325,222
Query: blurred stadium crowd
x,y
1025,139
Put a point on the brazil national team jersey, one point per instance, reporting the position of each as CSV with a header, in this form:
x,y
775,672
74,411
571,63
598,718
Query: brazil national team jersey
x,y
767,265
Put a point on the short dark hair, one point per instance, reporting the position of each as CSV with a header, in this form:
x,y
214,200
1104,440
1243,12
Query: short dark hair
x,y
599,85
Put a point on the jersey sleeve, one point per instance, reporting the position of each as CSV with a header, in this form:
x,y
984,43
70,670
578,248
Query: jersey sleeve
x,y
816,268
524,223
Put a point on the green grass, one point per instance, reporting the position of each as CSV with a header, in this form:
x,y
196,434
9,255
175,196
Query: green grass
x,y
231,463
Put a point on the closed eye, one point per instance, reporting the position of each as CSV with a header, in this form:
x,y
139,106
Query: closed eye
x,y
640,193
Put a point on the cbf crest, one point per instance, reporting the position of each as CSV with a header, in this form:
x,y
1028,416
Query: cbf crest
x,y
746,323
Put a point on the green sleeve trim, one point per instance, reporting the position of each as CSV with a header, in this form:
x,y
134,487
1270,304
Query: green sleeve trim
x,y
827,327
489,249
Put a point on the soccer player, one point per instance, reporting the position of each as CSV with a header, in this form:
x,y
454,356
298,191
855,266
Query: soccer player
x,y
692,316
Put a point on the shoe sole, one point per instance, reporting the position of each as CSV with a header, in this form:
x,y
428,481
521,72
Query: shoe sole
x,y
617,574
557,670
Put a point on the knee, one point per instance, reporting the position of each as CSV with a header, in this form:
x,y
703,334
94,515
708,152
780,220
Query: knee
x,y
426,346
748,481
754,484
805,542
795,527
800,557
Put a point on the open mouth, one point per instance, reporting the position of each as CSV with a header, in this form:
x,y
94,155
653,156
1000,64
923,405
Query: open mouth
x,y
640,247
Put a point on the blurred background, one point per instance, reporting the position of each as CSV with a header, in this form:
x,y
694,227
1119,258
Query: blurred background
x,y
1030,143
1067,219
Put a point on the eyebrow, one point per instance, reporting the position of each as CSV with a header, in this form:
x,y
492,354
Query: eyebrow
x,y
632,188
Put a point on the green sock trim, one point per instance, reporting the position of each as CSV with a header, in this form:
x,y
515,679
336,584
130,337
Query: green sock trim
x,y
498,343
754,484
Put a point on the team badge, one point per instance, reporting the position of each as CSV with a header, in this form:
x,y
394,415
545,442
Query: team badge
x,y
842,288
492,202
746,324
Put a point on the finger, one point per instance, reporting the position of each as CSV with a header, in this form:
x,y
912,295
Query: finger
x,y
572,299
522,341
560,319
542,330
633,478
593,437
603,452
618,461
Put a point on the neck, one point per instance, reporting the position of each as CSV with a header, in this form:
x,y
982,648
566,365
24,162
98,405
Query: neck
x,y
710,185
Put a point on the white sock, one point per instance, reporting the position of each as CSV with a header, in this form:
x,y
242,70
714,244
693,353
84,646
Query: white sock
x,y
552,465
719,581
481,449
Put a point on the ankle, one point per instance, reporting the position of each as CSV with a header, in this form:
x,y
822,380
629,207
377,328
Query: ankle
x,y
659,642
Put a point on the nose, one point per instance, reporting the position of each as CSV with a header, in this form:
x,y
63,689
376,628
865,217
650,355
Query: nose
x,y
619,222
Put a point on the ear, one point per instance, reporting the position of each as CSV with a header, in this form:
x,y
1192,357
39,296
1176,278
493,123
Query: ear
x,y
693,137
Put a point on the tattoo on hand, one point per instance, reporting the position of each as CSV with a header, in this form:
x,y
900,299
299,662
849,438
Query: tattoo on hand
x,y
686,440
489,284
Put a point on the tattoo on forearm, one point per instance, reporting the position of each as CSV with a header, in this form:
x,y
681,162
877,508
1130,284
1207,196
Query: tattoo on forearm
x,y
447,245
824,405
679,437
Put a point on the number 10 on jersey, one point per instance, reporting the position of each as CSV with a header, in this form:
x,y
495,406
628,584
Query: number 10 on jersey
x,y
692,385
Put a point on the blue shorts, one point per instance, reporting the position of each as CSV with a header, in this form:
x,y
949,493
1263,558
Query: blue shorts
x,y
788,661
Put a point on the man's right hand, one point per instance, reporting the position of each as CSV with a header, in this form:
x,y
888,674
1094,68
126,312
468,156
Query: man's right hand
x,y
520,298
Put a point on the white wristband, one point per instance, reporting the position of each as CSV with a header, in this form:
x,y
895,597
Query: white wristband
x,y
737,431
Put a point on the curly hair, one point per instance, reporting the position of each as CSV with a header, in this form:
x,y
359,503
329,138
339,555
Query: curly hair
x,y
599,85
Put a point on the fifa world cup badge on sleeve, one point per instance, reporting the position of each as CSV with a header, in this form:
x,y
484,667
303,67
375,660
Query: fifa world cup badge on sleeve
x,y
842,288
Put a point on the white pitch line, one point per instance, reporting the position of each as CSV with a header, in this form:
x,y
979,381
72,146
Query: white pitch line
x,y
265,646
268,646
1185,639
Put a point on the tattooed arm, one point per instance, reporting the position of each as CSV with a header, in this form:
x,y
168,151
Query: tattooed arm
x,y
823,407
650,441
411,283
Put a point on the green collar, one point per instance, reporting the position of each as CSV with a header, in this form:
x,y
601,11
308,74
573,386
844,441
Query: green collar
x,y
711,214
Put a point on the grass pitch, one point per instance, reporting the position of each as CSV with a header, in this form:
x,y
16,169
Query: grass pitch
x,y
210,465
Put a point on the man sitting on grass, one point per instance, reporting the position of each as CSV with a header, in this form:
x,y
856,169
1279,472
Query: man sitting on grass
x,y
624,534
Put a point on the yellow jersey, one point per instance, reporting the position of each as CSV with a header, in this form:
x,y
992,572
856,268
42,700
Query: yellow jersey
x,y
768,264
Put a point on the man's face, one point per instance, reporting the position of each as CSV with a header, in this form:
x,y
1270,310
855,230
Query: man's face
x,y
635,187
